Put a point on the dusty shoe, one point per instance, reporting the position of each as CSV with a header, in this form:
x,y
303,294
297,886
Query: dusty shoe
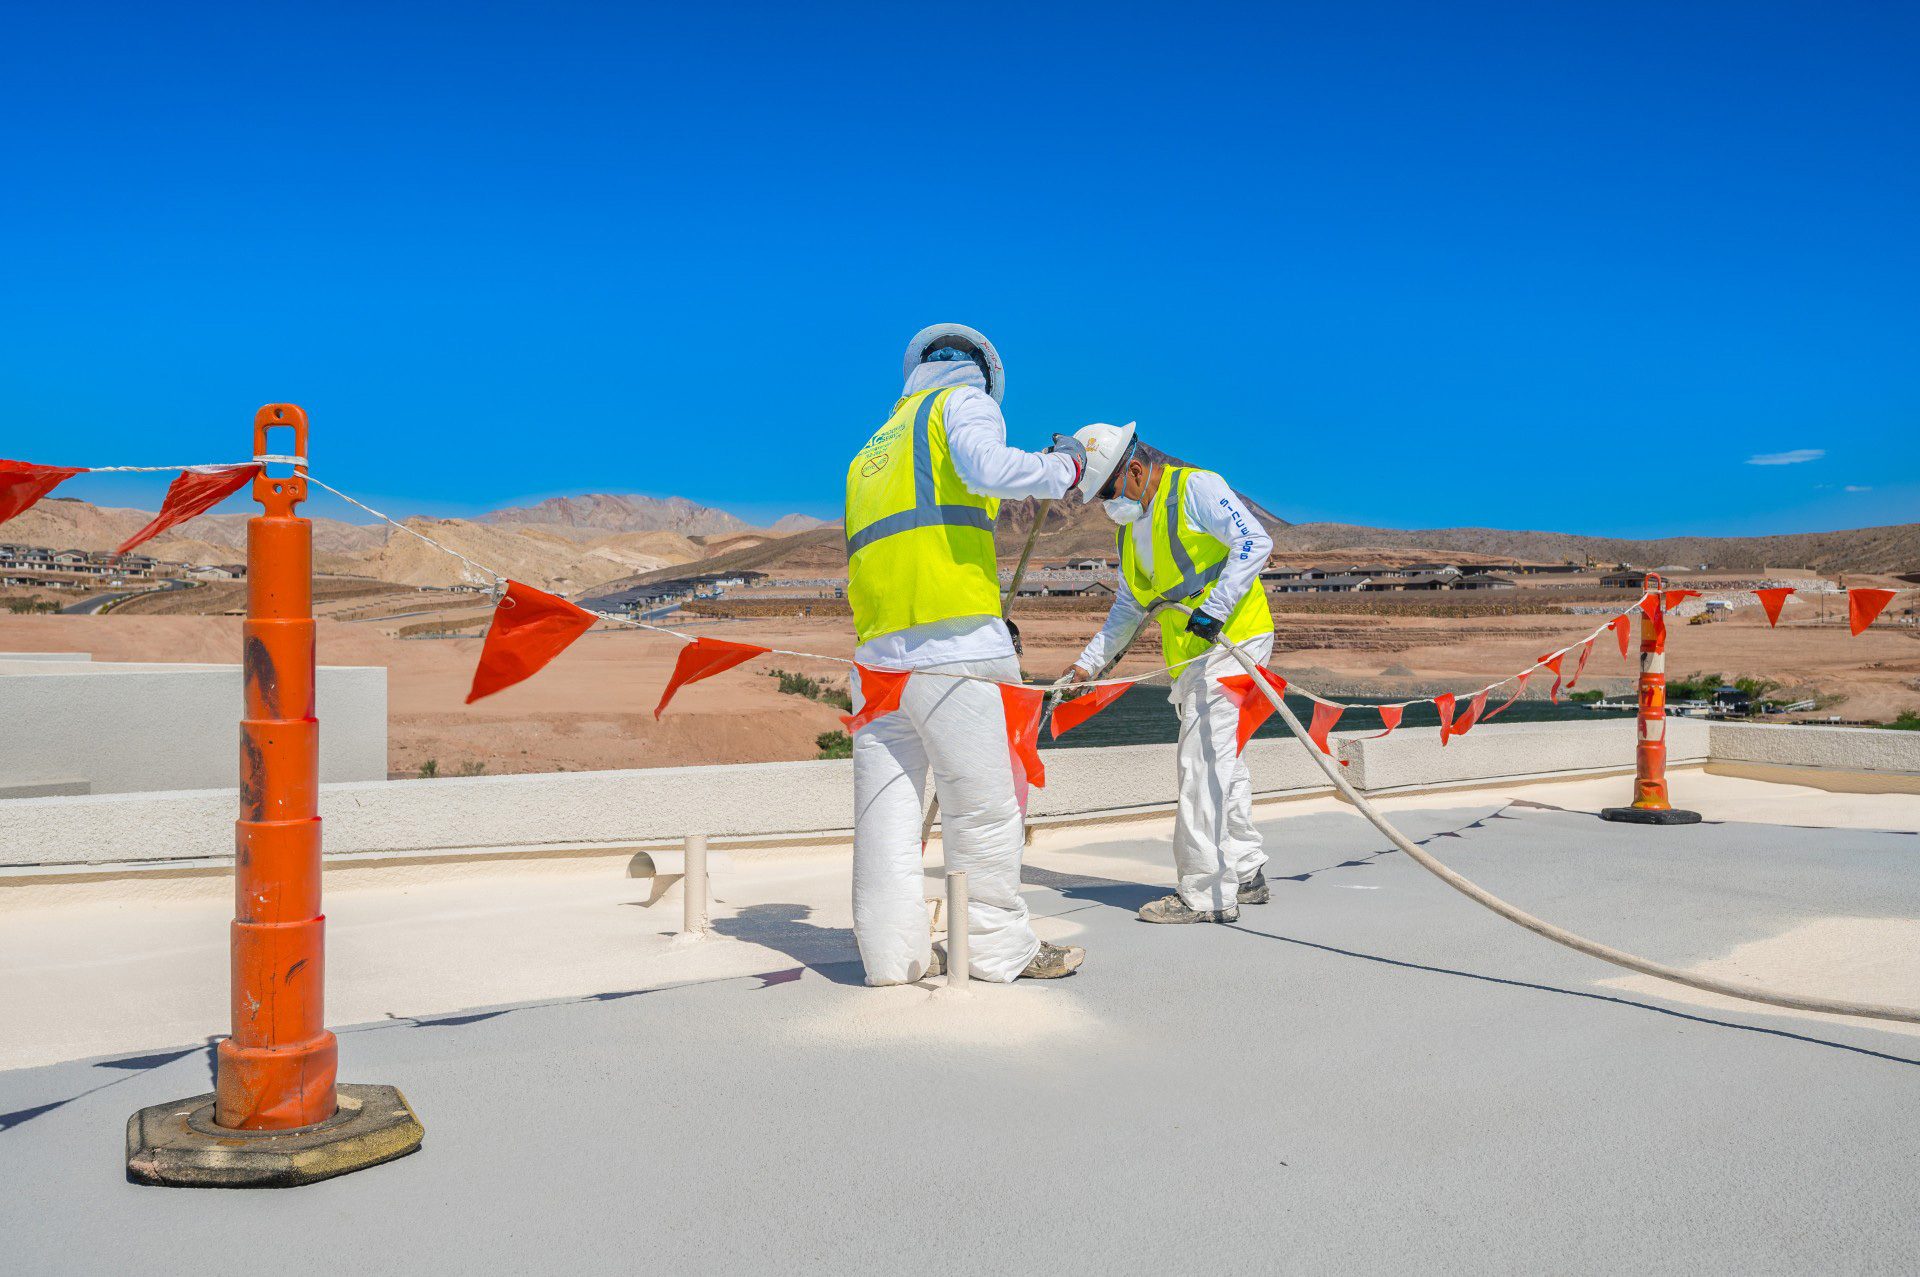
x,y
1254,890
1174,909
1054,961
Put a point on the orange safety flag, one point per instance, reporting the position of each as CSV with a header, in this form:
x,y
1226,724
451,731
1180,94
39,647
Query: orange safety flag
x,y
703,658
194,493
22,483
530,627
1022,706
1389,718
1650,604
1864,605
1520,686
1622,627
1552,662
1464,724
1325,715
1444,703
879,695
1586,650
1069,714
1255,708
1673,598
1771,600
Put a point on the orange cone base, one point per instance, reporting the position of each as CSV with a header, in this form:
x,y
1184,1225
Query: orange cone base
x,y
178,1144
1650,815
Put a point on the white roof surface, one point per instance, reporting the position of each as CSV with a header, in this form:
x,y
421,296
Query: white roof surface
x,y
1369,1074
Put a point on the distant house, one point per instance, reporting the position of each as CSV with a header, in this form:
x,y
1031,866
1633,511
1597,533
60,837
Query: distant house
x,y
1623,579
1065,589
1480,581
219,572
1274,575
1340,583
1088,565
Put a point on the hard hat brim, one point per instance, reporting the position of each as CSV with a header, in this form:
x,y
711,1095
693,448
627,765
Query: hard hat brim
x,y
1102,464
933,334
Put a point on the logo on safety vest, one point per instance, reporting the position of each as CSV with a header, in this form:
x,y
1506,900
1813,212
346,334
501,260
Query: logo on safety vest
x,y
874,465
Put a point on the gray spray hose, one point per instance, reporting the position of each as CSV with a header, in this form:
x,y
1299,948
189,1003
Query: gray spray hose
x,y
1593,948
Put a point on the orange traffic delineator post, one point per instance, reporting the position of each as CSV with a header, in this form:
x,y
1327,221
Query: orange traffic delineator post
x,y
276,1116
1650,803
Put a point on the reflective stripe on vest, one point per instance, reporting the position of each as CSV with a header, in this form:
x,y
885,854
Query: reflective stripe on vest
x,y
926,512
919,543
1191,583
1167,535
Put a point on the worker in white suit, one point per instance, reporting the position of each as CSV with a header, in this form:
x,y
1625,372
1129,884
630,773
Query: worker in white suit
x,y
1187,538
923,580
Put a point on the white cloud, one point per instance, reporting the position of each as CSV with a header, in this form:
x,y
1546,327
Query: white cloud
x,y
1792,458
1856,487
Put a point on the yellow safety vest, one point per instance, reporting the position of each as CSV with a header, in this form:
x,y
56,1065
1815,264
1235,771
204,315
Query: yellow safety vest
x,y
919,544
1186,564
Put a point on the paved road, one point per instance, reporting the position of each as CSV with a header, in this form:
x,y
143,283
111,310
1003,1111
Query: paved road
x,y
1368,1075
90,607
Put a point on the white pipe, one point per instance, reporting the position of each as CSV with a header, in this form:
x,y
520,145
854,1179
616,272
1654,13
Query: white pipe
x,y
957,956
693,887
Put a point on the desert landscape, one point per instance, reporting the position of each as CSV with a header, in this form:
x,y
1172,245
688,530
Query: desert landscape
x,y
388,599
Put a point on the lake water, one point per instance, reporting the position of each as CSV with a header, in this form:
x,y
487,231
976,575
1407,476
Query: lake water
x,y
1143,717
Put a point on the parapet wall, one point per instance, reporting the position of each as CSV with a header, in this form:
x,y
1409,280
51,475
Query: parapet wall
x,y
79,726
614,809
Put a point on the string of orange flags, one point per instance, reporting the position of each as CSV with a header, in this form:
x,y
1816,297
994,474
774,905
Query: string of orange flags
x,y
531,627
197,490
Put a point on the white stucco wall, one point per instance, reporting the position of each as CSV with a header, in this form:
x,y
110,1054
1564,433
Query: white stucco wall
x,y
1867,749
117,727
620,808
1417,760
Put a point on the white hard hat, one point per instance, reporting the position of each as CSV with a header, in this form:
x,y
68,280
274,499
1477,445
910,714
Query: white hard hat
x,y
1107,446
960,337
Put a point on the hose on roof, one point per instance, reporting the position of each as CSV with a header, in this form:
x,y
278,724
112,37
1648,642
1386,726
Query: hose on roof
x,y
1540,927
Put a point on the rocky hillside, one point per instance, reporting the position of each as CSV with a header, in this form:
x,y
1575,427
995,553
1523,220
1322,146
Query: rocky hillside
x,y
65,523
597,514
595,549
539,556
1888,549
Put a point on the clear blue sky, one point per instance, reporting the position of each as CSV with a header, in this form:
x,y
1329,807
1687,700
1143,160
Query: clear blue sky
x,y
1409,264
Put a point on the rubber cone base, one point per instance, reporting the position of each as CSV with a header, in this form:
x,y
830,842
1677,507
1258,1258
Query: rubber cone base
x,y
1651,815
178,1144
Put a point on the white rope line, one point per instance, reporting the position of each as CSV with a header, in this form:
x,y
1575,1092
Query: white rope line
x,y
204,468
1175,669
499,580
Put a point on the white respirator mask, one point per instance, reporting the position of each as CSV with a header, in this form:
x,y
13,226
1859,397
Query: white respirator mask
x,y
1123,510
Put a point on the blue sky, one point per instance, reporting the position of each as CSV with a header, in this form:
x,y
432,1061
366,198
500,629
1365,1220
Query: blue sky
x,y
1542,266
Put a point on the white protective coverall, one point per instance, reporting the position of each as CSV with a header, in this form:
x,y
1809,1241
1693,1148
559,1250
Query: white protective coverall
x,y
955,727
1215,844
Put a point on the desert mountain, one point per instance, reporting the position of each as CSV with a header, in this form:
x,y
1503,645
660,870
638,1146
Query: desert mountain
x,y
545,557
65,523
1888,549
594,551
599,513
539,556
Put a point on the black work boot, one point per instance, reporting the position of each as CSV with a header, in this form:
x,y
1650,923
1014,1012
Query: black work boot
x,y
1254,890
